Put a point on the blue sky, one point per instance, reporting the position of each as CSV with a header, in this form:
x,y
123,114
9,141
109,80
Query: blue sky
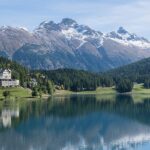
x,y
103,15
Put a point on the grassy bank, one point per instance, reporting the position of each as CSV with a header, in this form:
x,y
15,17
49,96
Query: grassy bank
x,y
139,93
18,92
99,90
138,89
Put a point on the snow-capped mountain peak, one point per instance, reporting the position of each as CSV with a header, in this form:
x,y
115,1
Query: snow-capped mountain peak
x,y
81,33
69,44
48,26
130,39
71,30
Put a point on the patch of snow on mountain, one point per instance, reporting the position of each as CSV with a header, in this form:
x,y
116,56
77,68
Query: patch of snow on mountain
x,y
81,44
124,37
74,33
24,28
125,42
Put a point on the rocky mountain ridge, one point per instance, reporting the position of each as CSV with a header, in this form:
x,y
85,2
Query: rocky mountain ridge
x,y
70,45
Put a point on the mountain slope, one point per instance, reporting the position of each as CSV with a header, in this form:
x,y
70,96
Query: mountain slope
x,y
138,71
70,45
12,39
77,80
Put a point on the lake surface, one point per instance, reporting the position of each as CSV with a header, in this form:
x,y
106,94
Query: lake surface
x,y
76,123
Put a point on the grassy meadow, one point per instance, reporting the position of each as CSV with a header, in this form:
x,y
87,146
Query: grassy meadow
x,y
16,92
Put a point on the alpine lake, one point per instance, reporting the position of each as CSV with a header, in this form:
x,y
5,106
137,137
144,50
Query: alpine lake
x,y
76,122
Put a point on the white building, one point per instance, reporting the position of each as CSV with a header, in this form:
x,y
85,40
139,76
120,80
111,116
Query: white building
x,y
5,74
5,79
9,83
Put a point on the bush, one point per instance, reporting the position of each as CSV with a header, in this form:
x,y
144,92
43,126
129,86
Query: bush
x,y
34,92
6,94
124,86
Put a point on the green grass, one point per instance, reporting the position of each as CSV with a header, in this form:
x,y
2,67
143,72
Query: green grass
x,y
138,92
100,90
138,89
18,92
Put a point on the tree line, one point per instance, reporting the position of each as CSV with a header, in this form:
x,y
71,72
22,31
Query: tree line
x,y
77,80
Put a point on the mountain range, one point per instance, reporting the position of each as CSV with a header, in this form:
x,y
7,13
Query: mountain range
x,y
70,45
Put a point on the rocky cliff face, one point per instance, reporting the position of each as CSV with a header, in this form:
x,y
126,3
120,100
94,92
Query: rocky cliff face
x,y
70,45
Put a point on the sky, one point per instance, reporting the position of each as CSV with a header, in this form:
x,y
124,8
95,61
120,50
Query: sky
x,y
102,15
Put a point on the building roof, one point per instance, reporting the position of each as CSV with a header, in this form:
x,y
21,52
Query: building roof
x,y
2,70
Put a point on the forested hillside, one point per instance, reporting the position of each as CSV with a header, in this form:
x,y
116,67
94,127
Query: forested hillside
x,y
35,81
77,80
137,72
68,79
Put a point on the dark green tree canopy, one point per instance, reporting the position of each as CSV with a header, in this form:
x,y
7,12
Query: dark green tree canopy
x,y
77,80
124,86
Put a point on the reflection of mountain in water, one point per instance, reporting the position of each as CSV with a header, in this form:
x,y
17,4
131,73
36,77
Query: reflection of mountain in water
x,y
76,123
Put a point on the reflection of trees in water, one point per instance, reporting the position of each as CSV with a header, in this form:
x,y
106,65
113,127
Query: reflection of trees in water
x,y
73,106
123,105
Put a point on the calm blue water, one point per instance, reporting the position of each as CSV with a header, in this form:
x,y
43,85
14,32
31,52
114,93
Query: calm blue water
x,y
76,123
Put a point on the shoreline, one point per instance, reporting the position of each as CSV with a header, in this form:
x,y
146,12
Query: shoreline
x,y
23,93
